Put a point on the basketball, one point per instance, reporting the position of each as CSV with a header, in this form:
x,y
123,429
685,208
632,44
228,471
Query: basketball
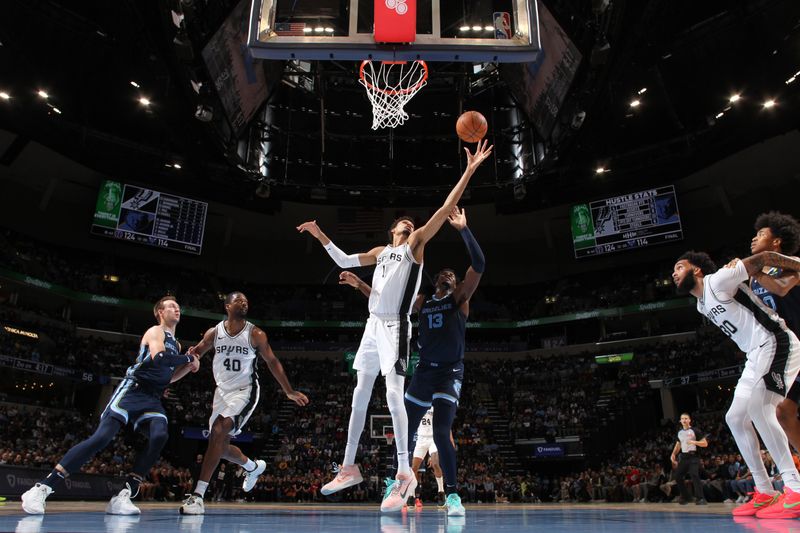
x,y
471,127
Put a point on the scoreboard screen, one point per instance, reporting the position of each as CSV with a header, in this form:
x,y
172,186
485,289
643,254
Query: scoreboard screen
x,y
626,222
144,216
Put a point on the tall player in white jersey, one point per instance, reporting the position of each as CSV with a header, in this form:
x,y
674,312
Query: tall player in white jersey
x,y
385,344
236,343
773,361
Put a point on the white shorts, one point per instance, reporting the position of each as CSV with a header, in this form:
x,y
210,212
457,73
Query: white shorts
x,y
237,404
425,445
385,344
776,363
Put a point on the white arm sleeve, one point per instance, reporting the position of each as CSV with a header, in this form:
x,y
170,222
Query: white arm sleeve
x,y
340,258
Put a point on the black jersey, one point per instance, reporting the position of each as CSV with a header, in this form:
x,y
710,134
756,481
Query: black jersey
x,y
442,329
787,307
152,374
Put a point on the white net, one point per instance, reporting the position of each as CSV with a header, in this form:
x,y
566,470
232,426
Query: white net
x,y
390,87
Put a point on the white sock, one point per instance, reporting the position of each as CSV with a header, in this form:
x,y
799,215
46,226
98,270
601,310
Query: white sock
x,y
201,488
402,463
440,483
250,465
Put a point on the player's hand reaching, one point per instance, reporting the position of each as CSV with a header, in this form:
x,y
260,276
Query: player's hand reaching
x,y
458,218
348,278
481,153
297,397
310,227
194,366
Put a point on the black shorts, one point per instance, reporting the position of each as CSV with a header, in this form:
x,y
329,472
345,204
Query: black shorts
x,y
794,392
436,380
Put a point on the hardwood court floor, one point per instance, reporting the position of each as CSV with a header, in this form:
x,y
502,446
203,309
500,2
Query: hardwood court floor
x,y
89,517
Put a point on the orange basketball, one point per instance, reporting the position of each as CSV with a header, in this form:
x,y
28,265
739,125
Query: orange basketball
x,y
471,127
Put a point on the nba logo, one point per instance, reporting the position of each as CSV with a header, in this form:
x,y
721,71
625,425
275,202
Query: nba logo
x,y
502,25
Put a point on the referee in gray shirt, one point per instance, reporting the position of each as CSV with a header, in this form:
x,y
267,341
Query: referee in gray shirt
x,y
689,439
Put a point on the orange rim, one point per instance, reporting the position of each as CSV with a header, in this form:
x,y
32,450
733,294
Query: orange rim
x,y
394,92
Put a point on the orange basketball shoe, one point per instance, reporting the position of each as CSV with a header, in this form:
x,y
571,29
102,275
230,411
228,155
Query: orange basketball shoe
x,y
787,506
757,502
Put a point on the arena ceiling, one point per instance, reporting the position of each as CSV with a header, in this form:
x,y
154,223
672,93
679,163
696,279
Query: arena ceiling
x,y
690,59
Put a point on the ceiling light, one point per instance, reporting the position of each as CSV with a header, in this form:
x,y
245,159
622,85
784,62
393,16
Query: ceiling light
x,y
308,29
5,96
57,110
319,29
135,84
769,104
791,80
642,90
636,103
600,170
176,165
488,28
144,101
43,94
463,28
735,98
329,30
477,28
719,115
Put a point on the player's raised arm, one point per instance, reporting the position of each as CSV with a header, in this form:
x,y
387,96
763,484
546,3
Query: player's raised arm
x,y
465,289
259,340
421,236
339,257
756,262
205,344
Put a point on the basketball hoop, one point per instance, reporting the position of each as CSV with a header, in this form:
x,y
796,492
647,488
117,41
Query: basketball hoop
x,y
390,87
389,438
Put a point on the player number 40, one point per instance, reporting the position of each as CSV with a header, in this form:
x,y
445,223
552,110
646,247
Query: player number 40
x,y
232,365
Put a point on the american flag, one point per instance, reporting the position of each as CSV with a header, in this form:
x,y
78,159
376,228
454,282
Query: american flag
x,y
360,220
290,28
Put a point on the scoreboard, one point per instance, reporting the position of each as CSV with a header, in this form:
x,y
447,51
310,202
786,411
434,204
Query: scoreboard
x,y
626,222
135,214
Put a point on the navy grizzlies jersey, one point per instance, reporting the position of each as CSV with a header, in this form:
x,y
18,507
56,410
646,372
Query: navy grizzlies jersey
x,y
788,307
441,331
153,374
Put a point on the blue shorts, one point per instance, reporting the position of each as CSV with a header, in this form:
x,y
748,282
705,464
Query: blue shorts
x,y
130,403
436,380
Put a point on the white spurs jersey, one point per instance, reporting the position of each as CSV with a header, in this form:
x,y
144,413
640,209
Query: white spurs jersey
x,y
425,429
730,304
234,358
395,282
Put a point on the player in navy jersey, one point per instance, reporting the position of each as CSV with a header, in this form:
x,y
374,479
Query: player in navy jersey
x,y
441,337
137,400
779,290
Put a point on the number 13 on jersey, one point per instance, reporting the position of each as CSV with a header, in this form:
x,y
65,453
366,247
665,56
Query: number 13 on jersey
x,y
435,320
